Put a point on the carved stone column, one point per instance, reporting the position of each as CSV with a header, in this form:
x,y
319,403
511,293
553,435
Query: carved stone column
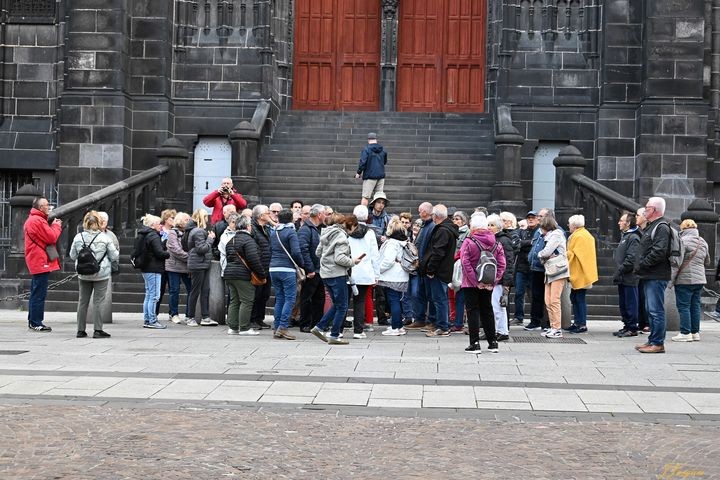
x,y
172,189
569,162
244,142
507,188
388,55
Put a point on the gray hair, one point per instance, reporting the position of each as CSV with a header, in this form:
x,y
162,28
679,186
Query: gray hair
x,y
242,222
509,217
103,216
462,216
658,203
233,218
259,211
361,212
577,221
440,211
549,212
425,207
496,221
316,209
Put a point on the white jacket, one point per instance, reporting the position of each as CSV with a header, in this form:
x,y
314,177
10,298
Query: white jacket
x,y
390,269
368,270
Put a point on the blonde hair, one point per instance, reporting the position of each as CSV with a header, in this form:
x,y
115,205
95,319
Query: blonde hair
x,y
165,214
688,223
395,225
91,220
200,216
149,220
181,219
509,217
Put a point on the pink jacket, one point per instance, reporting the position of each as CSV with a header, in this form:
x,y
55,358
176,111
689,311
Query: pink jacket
x,y
470,255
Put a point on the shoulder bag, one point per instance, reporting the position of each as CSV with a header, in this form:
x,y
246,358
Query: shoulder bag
x,y
255,279
299,272
556,265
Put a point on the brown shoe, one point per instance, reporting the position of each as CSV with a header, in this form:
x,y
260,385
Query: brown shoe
x,y
641,345
415,326
428,328
652,349
283,334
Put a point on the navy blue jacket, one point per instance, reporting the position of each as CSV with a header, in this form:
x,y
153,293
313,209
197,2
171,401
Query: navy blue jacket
x,y
424,236
309,239
372,162
288,237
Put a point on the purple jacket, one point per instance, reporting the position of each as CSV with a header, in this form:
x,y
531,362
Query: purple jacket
x,y
470,255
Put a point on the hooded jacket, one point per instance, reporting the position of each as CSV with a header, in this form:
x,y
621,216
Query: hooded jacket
x,y
309,239
363,240
526,242
505,239
373,159
624,256
694,254
470,256
582,259
200,253
279,260
438,258
334,252
391,272
38,235
155,250
102,247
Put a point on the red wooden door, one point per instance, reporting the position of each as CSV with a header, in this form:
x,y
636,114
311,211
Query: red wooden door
x,y
441,55
337,55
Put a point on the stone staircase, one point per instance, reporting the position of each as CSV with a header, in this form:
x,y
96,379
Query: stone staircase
x,y
433,157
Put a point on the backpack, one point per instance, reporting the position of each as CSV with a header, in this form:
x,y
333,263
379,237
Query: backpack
x,y
486,268
86,263
674,245
139,258
409,260
184,241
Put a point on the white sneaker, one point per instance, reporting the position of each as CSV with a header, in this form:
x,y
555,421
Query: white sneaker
x,y
392,332
696,337
208,322
191,323
248,332
359,335
682,337
232,332
368,327
402,331
176,319
554,333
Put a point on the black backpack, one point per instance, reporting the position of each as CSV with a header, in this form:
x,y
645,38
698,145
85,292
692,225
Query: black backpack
x,y
184,241
86,263
139,258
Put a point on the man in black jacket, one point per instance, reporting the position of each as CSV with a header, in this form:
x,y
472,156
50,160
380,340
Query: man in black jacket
x,y
625,278
652,266
522,267
261,234
437,267
312,295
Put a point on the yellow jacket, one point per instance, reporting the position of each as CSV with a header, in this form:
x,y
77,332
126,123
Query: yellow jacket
x,y
582,259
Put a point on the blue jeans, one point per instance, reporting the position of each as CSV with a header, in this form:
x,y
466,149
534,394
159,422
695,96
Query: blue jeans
x,y
174,279
687,299
337,288
459,307
36,302
522,281
655,308
393,298
438,298
152,294
408,298
579,306
285,294
628,299
419,297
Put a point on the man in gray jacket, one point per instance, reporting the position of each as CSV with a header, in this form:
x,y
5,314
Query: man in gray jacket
x,y
625,278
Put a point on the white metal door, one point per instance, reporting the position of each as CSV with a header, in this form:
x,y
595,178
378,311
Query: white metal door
x,y
213,161
544,174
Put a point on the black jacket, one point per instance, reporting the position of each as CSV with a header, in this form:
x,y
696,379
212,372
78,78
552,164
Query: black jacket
x,y
508,279
653,260
526,237
439,257
309,238
219,229
624,256
245,245
155,251
262,238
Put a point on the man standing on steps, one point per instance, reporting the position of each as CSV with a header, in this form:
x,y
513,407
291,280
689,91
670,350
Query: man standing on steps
x,y
373,159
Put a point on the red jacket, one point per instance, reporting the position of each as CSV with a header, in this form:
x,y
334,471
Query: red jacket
x,y
216,201
38,235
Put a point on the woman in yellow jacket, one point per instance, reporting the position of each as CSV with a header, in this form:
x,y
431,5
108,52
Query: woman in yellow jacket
x,y
582,262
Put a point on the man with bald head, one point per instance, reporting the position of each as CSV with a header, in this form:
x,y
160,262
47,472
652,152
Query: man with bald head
x,y
224,195
417,282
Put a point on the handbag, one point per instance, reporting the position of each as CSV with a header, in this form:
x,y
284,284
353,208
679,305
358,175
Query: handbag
x,y
50,250
556,265
255,279
300,275
457,275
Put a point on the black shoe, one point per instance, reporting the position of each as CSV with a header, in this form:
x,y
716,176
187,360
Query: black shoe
x,y
100,334
503,338
383,321
627,333
40,328
532,326
492,347
305,329
81,334
258,326
407,321
474,348
577,329
347,324
620,332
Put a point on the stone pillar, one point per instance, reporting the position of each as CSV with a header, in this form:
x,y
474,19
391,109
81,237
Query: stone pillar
x,y
172,153
20,205
244,142
508,160
569,162
388,55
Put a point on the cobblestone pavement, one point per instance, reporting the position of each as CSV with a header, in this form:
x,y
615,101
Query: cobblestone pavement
x,y
71,441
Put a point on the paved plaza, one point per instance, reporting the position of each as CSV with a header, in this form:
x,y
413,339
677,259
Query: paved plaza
x,y
592,409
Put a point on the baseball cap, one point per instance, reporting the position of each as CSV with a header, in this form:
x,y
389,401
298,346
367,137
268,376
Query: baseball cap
x,y
372,136
531,213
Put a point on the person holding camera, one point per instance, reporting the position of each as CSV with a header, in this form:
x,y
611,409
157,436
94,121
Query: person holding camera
x,y
224,195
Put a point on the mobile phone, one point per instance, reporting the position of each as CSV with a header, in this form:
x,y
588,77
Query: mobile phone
x,y
362,256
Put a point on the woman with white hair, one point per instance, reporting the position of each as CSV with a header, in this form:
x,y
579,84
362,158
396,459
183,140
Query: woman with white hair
x,y
502,289
176,266
582,262
392,275
153,264
363,243
689,280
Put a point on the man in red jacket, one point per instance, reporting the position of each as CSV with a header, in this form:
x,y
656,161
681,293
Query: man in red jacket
x,y
38,235
225,195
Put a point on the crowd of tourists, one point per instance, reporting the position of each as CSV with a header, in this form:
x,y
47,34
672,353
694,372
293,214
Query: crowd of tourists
x,y
440,273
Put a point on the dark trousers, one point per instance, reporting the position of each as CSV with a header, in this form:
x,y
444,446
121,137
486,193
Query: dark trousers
x,y
380,304
36,302
200,280
628,302
478,305
312,301
522,282
163,287
359,308
642,313
537,306
262,295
